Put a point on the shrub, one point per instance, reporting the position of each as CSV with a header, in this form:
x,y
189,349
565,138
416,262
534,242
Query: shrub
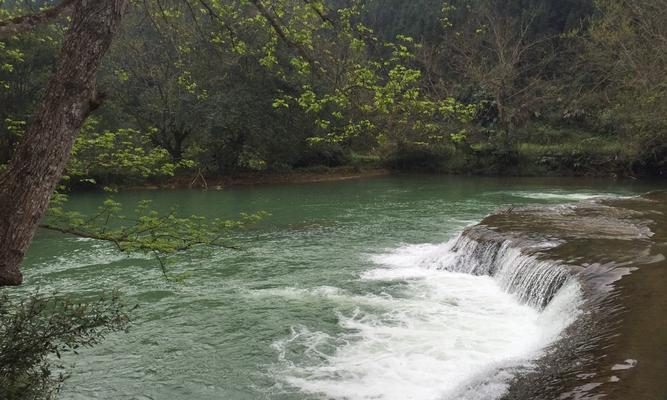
x,y
35,332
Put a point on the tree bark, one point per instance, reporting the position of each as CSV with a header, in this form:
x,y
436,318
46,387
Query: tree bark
x,y
28,183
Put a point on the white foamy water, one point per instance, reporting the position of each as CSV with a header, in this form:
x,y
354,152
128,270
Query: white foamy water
x,y
448,335
563,195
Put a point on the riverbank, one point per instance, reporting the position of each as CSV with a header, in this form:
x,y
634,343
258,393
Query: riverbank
x,y
410,162
574,158
343,173
248,178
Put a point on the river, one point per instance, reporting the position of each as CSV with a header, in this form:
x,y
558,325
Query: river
x,y
337,294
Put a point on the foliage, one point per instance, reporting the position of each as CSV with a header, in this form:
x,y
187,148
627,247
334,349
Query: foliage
x,y
125,154
626,53
146,230
348,91
37,327
308,71
258,85
25,64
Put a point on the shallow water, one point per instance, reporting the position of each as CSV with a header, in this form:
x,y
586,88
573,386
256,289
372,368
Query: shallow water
x,y
335,296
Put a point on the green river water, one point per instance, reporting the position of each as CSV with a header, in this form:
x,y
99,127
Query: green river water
x,y
326,300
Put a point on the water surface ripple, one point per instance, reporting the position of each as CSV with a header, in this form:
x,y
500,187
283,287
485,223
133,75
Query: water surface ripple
x,y
339,294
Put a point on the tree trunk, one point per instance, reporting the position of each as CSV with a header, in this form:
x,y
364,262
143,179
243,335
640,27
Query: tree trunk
x,y
179,139
27,185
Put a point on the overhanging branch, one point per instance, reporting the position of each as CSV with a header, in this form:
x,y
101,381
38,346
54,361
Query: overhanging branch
x,y
277,28
28,22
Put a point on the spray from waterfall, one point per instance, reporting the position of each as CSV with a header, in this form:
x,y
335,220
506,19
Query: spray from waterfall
x,y
534,281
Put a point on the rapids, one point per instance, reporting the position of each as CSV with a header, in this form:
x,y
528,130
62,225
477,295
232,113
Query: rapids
x,y
422,288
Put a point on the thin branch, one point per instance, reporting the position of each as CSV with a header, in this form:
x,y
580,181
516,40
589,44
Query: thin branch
x,y
281,32
324,17
75,232
214,15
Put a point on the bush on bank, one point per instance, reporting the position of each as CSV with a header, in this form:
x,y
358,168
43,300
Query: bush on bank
x,y
37,330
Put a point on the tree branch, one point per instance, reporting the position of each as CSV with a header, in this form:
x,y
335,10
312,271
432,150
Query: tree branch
x,y
78,233
277,28
27,22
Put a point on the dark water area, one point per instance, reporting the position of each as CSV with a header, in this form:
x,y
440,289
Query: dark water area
x,y
392,288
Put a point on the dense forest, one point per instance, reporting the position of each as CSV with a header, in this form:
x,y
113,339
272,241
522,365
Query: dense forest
x,y
517,87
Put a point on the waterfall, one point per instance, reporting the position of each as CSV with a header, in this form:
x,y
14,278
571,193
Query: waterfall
x,y
514,263
467,314
487,315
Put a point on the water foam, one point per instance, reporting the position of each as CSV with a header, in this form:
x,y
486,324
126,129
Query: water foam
x,y
563,195
533,281
450,334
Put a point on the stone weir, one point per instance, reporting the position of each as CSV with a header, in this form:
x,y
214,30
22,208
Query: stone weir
x,y
615,250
